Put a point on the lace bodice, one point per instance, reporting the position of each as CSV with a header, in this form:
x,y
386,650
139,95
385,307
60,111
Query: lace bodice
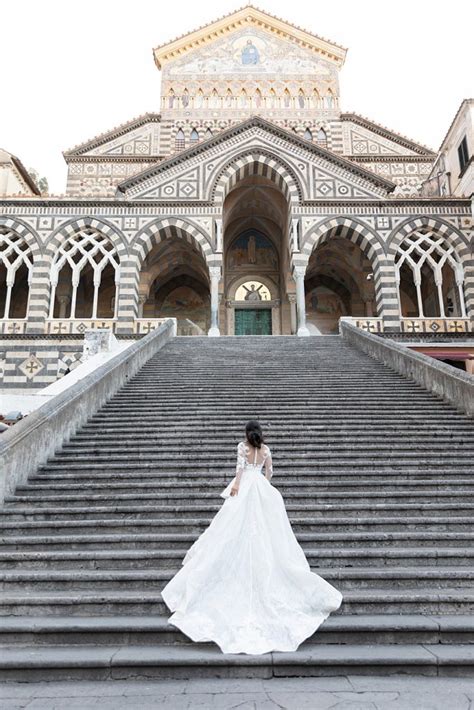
x,y
248,457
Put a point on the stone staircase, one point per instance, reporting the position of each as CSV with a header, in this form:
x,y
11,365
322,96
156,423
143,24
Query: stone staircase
x,y
377,478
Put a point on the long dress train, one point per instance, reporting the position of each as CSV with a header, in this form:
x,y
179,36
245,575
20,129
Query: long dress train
x,y
245,583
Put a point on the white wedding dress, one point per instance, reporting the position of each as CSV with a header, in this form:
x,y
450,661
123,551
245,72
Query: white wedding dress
x,y
245,583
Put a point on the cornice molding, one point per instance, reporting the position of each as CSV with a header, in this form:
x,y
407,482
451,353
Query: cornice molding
x,y
135,205
391,158
113,159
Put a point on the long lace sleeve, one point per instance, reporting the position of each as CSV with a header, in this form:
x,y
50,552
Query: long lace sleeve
x,y
268,464
240,462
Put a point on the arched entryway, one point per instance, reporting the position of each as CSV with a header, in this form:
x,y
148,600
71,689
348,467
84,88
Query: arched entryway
x,y
174,283
255,218
339,281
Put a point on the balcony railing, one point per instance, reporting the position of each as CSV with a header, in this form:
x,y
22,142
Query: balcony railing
x,y
68,326
13,326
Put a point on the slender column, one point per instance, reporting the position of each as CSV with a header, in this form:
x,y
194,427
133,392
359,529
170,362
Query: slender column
x,y
292,300
439,286
63,301
215,274
298,274
97,276
10,280
75,284
141,302
419,298
459,283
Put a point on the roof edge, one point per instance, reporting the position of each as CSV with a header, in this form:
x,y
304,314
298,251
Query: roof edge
x,y
263,123
116,132
387,133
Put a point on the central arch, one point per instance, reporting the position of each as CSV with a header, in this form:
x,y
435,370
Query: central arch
x,y
256,256
257,163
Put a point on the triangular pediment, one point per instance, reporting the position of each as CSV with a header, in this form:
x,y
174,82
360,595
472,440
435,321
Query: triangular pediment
x,y
140,136
248,18
317,173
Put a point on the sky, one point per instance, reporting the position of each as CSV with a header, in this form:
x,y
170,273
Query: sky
x,y
72,70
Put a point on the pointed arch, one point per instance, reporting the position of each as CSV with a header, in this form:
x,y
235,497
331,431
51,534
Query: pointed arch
x,y
321,138
194,137
179,140
307,134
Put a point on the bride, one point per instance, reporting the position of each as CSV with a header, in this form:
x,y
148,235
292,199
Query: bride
x,y
245,583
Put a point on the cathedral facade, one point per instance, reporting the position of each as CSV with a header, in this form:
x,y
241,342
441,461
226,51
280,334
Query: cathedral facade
x,y
249,204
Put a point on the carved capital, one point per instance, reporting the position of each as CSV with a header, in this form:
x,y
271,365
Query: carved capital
x,y
299,272
215,272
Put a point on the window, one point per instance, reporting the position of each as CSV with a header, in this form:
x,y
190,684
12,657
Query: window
x,y
85,276
208,134
321,138
16,266
179,141
463,154
194,137
308,135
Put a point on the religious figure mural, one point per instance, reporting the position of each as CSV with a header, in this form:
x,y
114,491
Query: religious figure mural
x,y
252,292
184,303
250,53
252,249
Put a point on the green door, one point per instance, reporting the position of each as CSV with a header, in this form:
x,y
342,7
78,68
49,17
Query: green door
x,y
249,321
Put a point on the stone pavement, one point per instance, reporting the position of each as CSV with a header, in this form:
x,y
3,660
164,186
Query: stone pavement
x,y
338,693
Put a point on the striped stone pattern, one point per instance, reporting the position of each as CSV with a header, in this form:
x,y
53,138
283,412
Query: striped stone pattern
x,y
145,240
257,163
34,363
335,138
386,297
464,249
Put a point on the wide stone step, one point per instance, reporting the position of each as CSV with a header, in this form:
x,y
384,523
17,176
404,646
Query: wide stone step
x,y
175,524
199,661
193,508
204,454
170,558
156,630
345,579
43,496
111,602
200,442
173,430
378,539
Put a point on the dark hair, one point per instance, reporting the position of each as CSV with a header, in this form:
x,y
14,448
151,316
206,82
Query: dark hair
x,y
253,432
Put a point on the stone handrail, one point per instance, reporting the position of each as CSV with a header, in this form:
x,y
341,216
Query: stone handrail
x,y
35,438
454,386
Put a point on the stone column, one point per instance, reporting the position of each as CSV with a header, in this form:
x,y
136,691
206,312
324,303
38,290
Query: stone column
x,y
293,321
215,274
63,303
141,302
298,275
